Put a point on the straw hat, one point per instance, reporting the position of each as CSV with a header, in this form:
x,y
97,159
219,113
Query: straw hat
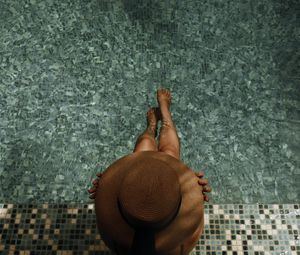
x,y
148,190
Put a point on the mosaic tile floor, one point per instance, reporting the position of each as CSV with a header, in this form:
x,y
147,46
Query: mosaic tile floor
x,y
71,229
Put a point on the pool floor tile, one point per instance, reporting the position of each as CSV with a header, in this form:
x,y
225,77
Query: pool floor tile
x,y
234,229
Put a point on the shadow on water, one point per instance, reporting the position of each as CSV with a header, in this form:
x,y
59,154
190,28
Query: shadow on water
x,y
155,17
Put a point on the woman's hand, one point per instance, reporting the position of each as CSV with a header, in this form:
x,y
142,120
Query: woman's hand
x,y
204,183
92,190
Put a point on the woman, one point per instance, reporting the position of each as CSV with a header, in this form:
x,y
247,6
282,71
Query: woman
x,y
158,206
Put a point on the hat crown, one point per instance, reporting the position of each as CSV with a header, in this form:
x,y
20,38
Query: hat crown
x,y
149,195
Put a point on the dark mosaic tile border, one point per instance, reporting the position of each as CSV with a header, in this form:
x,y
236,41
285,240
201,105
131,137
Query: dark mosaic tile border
x,y
71,229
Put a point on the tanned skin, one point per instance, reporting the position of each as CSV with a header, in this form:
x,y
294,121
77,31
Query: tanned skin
x,y
169,143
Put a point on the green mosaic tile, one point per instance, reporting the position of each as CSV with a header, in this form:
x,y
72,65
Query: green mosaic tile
x,y
77,78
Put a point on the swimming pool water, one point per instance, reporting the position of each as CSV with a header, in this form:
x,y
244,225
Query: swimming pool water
x,y
77,79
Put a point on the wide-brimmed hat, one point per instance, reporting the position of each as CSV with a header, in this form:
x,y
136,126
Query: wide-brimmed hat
x,y
148,190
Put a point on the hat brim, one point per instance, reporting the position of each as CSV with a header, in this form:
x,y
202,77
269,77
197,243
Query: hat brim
x,y
115,231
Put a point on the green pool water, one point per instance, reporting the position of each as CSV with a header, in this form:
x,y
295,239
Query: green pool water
x,y
77,78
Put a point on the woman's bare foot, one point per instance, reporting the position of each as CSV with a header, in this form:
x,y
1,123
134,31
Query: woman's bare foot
x,y
168,137
152,119
164,98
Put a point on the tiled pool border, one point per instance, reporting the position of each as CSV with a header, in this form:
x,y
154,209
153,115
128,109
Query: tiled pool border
x,y
71,229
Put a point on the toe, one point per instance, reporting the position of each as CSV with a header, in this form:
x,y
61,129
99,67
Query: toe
x,y
200,174
207,188
150,112
203,181
151,115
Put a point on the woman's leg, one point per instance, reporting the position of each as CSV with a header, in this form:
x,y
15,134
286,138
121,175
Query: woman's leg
x,y
146,141
168,138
